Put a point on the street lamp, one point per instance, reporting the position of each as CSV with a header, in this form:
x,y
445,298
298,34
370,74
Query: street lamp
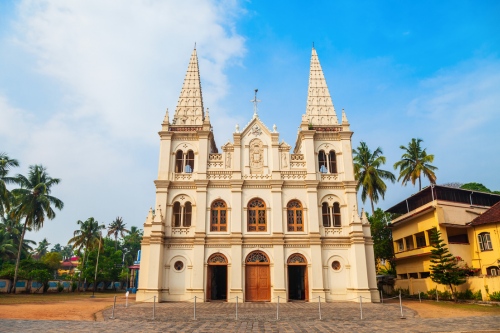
x,y
125,251
97,264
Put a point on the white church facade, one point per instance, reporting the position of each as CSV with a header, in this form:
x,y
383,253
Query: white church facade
x,y
256,219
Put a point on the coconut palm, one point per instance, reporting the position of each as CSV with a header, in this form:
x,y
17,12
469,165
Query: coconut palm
x,y
33,203
368,173
13,230
42,248
117,227
414,163
7,248
6,164
86,239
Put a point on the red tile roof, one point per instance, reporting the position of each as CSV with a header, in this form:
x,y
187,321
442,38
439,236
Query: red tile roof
x,y
492,215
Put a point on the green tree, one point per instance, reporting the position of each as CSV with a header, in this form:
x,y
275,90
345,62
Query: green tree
x,y
475,187
117,227
52,260
34,203
6,163
414,163
444,266
382,236
42,248
13,230
132,242
368,173
7,248
86,239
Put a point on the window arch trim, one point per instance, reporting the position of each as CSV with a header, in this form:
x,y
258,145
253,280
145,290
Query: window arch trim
x,y
256,215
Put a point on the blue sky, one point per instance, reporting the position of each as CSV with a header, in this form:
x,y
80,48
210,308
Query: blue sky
x,y
84,85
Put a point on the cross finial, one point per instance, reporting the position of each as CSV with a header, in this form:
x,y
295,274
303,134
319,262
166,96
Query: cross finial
x,y
255,101
195,45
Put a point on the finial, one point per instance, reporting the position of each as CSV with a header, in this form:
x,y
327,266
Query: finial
x,y
195,45
167,118
275,128
236,129
344,117
313,45
255,101
207,113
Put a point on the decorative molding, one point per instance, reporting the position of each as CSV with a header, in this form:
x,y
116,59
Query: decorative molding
x,y
180,231
256,152
333,231
246,186
297,157
255,130
254,176
258,246
297,245
185,129
217,245
293,175
180,246
219,175
182,187
335,246
329,176
183,176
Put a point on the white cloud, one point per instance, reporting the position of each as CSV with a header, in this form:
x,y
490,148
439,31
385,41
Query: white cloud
x,y
118,66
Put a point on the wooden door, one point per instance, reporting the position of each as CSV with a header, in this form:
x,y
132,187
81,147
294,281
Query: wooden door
x,y
257,283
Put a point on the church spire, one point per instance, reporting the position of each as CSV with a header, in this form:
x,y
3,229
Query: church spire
x,y
189,110
320,110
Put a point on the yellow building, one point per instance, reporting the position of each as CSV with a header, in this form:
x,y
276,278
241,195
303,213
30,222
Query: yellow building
x,y
449,210
486,248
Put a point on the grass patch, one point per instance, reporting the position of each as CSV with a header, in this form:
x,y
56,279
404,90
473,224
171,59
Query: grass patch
x,y
10,299
492,308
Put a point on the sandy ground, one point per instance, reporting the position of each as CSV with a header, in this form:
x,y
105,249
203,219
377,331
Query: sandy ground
x,y
89,309
79,309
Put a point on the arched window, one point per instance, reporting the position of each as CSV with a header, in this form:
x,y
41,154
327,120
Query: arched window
x,y
184,163
179,163
177,214
218,216
188,210
322,162
484,240
336,215
332,159
294,216
189,162
325,212
331,214
256,215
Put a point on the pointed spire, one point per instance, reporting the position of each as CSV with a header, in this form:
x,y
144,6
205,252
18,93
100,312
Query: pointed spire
x,y
344,118
167,118
189,110
320,110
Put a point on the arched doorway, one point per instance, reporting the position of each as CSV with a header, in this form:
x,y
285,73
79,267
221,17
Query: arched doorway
x,y
297,278
217,277
257,277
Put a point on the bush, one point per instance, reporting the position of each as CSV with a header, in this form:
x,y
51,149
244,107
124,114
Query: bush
x,y
495,296
74,285
443,295
60,287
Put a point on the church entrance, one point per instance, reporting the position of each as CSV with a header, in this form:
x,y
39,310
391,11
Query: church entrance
x,y
257,277
297,278
217,277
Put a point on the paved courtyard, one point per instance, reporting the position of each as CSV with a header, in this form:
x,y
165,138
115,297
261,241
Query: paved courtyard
x,y
260,317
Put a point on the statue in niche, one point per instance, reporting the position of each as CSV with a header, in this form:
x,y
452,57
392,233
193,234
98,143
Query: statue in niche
x,y
284,158
228,160
256,156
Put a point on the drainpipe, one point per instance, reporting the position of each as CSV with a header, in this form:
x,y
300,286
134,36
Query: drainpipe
x,y
407,207
432,191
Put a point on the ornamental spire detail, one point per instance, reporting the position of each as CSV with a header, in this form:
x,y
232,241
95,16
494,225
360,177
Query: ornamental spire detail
x,y
319,110
189,110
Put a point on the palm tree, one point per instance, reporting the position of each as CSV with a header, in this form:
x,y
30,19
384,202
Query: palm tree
x,y
7,248
13,230
132,241
87,238
5,164
42,248
33,203
415,162
368,173
117,227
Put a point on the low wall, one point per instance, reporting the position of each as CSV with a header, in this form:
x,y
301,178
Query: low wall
x,y
4,285
473,283
21,286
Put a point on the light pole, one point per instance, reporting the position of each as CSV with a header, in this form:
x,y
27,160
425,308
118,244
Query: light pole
x,y
97,264
125,251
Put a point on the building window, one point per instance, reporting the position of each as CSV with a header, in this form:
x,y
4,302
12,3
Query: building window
x,y
184,163
177,214
492,271
327,163
295,216
256,215
420,240
218,216
182,214
336,265
399,245
178,266
331,214
424,275
484,240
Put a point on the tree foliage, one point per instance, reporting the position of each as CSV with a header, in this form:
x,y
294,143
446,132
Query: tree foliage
x,y
117,227
368,173
414,163
444,266
382,236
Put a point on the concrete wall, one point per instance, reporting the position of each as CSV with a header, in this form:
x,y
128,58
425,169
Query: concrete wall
x,y
473,283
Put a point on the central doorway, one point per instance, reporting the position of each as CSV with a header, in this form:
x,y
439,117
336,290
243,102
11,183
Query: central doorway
x,y
257,277
297,278
217,277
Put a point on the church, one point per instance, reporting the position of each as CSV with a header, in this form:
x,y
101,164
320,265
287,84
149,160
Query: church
x,y
254,218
